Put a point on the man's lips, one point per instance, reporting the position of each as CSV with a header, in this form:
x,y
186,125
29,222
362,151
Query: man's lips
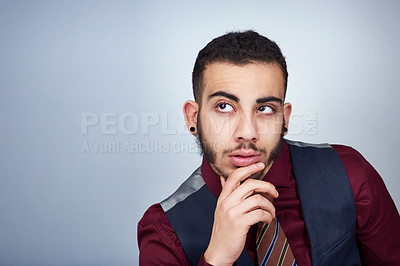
x,y
244,157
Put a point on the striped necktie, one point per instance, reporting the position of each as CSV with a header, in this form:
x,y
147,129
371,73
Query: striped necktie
x,y
272,246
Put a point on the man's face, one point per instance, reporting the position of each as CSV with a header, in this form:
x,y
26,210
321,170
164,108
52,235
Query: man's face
x,y
242,115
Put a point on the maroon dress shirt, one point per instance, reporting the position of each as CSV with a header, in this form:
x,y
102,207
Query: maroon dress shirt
x,y
377,229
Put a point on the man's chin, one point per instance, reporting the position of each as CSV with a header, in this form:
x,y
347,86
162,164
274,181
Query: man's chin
x,y
258,176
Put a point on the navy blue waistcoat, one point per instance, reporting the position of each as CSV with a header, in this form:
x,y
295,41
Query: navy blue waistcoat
x,y
326,200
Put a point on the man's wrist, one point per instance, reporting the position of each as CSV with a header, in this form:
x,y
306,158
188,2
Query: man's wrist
x,y
214,259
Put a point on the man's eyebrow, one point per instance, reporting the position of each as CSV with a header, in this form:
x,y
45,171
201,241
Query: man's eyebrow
x,y
269,99
224,94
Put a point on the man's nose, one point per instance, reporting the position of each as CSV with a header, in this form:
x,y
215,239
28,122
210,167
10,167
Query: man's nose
x,y
246,129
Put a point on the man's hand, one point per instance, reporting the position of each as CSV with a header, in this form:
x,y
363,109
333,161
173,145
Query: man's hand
x,y
239,207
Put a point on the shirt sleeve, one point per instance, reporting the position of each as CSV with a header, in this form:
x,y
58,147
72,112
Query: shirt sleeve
x,y
158,242
378,221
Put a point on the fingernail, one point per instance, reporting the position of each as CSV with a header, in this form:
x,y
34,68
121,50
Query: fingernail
x,y
259,164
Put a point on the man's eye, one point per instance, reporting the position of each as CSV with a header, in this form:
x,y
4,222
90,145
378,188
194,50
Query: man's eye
x,y
224,107
266,109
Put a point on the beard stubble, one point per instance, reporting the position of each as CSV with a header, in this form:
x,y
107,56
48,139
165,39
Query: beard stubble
x,y
210,154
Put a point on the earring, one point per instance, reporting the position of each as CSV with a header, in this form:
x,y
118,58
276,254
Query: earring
x,y
192,129
285,129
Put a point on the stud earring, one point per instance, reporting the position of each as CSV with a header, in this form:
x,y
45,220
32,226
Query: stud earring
x,y
192,129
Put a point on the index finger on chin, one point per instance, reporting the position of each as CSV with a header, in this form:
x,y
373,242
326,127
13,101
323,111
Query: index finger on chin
x,y
237,176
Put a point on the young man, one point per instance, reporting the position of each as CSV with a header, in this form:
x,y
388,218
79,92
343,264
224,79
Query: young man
x,y
326,205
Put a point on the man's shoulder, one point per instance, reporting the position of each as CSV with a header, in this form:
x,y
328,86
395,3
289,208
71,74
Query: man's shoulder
x,y
353,161
362,175
345,150
338,147
155,222
154,214
157,240
350,156
187,188
341,150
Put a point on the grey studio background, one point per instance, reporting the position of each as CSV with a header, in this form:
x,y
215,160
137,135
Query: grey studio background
x,y
91,94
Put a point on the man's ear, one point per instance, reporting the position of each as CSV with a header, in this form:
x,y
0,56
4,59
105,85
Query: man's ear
x,y
190,110
287,110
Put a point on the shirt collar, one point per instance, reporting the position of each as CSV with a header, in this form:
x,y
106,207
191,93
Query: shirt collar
x,y
278,175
